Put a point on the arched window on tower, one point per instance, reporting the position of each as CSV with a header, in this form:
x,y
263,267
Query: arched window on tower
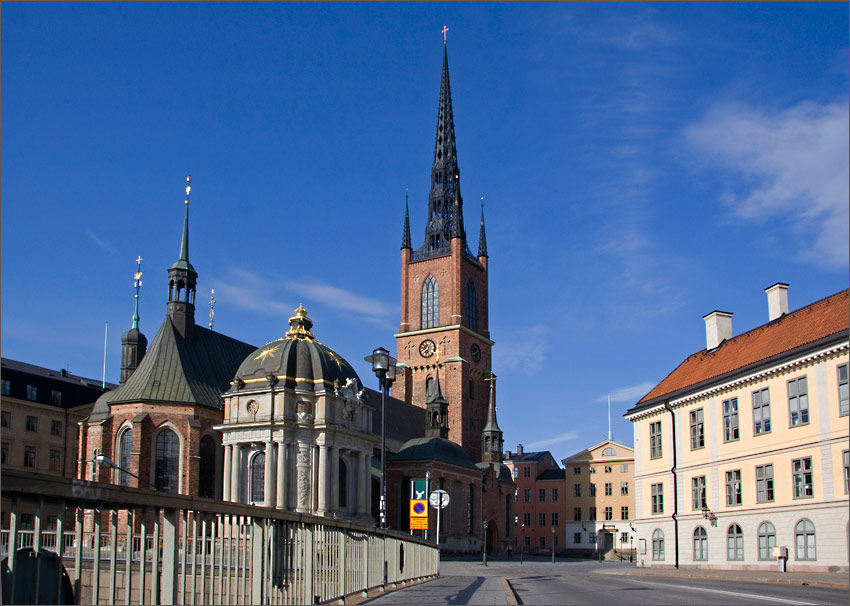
x,y
167,462
430,303
471,306
258,477
206,468
125,446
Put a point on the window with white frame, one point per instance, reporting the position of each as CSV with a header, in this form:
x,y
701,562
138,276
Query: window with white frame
x,y
430,303
592,490
576,490
526,471
576,514
764,483
609,513
577,538
624,488
541,495
655,440
846,456
761,411
526,495
591,537
658,544
700,543
801,478
591,514
730,420
843,391
767,540
734,543
697,429
698,500
733,487
624,468
804,540
554,517
608,469
658,498
624,512
526,519
798,401
56,428
541,519
554,495
576,471
5,387
32,392
609,489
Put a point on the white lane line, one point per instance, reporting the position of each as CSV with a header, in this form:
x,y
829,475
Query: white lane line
x,y
735,593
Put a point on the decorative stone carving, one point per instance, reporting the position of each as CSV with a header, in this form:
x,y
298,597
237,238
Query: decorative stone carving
x,y
304,412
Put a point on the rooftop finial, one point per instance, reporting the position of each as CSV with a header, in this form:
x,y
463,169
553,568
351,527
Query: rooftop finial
x,y
300,325
405,236
445,31
482,238
212,306
188,188
137,283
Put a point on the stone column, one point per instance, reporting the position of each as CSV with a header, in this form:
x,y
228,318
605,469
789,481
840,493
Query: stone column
x,y
269,475
361,480
235,473
302,470
282,476
228,459
333,478
322,508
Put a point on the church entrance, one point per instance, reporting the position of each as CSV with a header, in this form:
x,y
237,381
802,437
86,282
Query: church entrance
x,y
492,537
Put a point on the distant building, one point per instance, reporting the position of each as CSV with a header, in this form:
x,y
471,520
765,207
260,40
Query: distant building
x,y
599,500
39,412
540,505
744,446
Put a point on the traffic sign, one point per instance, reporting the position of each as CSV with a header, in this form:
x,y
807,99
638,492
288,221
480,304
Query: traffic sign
x,y
418,508
439,499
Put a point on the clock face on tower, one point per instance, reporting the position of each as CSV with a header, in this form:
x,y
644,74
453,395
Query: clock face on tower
x,y
427,348
475,351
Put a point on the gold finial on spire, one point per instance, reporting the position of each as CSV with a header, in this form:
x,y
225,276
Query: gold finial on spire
x,y
212,306
300,325
188,188
137,283
445,30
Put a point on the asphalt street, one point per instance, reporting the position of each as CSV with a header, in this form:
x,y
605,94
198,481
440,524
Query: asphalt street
x,y
582,582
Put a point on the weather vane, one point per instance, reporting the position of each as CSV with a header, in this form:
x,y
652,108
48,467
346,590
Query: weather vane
x,y
212,307
188,189
445,29
137,283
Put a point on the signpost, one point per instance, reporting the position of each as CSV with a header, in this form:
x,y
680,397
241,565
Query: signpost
x,y
439,499
418,514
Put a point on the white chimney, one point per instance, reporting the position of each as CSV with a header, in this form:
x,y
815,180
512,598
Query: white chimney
x,y
777,300
718,327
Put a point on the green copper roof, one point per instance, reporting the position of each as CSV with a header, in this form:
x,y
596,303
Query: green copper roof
x,y
183,260
193,371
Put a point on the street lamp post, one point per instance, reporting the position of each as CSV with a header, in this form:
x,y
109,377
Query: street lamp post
x,y
101,459
522,543
484,553
383,365
554,530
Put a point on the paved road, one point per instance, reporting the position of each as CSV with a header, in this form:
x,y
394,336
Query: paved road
x,y
582,582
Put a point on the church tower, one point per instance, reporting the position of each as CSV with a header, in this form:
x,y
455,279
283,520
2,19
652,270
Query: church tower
x,y
182,281
444,298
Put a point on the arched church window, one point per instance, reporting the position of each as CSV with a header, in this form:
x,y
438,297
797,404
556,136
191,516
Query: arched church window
x,y
609,452
258,477
430,303
343,484
206,467
471,307
125,446
167,461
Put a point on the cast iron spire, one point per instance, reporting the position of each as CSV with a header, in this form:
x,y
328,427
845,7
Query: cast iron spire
x,y
405,236
482,238
133,342
445,205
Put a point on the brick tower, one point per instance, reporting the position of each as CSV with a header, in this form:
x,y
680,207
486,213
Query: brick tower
x,y
444,299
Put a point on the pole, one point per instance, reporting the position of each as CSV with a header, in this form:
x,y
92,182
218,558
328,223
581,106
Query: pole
x,y
522,543
438,522
383,474
609,416
553,544
484,553
427,492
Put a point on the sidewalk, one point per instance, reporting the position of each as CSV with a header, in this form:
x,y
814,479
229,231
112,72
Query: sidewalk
x,y
838,580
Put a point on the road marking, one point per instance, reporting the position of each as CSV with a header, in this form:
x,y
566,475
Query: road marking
x,y
735,593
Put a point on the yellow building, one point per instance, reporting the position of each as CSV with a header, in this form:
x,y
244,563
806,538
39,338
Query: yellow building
x,y
743,448
600,502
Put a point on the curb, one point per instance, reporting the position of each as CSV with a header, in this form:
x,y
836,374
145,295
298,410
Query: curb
x,y
728,578
511,596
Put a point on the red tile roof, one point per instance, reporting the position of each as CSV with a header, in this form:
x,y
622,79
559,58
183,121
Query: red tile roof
x,y
819,320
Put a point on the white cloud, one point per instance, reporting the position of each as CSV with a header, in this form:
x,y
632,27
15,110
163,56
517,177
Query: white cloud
x,y
339,298
525,355
564,437
630,393
251,298
794,164
101,243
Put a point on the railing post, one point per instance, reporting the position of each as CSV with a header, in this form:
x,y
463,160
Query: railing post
x,y
78,553
60,546
13,543
258,568
168,591
343,565
309,568
95,585
113,553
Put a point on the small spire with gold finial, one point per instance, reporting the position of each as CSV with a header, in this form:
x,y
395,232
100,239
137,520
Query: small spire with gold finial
x,y
188,188
137,282
300,325
212,306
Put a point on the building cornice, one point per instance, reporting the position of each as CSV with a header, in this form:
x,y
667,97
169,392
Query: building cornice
x,y
461,327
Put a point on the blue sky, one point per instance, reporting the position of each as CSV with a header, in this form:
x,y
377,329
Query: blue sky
x,y
642,165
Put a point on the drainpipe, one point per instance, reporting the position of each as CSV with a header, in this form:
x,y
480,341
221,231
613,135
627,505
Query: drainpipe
x,y
675,484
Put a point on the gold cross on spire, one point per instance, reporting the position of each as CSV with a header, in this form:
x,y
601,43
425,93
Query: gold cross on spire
x,y
444,30
188,189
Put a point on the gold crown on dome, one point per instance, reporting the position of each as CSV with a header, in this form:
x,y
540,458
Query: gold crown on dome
x,y
300,325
